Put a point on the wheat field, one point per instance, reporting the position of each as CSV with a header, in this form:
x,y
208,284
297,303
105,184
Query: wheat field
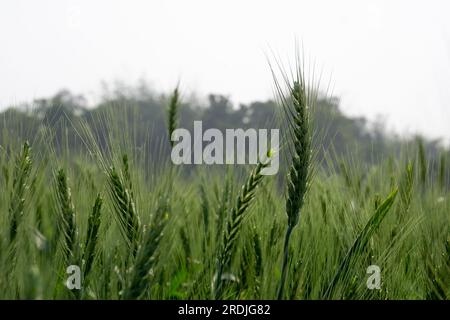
x,y
140,227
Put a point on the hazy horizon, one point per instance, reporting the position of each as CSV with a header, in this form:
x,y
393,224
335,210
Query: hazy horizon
x,y
382,57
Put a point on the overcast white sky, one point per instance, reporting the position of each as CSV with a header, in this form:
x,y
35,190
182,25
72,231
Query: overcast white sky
x,y
384,57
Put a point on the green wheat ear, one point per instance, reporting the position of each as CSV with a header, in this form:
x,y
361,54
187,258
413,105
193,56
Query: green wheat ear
x,y
147,255
92,235
172,113
126,171
299,171
20,177
124,208
422,161
406,186
297,116
67,223
231,233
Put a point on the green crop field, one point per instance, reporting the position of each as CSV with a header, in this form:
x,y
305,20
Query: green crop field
x,y
140,227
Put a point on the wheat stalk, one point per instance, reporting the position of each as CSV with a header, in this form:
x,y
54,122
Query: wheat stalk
x,y
258,262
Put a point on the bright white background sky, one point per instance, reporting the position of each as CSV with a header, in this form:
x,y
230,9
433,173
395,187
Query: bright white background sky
x,y
383,57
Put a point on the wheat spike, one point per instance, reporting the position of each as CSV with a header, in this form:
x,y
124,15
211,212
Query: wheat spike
x,y
238,213
125,209
92,235
67,223
172,121
20,177
147,255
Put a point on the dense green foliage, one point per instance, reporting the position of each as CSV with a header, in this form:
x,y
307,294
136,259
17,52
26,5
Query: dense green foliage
x,y
96,188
